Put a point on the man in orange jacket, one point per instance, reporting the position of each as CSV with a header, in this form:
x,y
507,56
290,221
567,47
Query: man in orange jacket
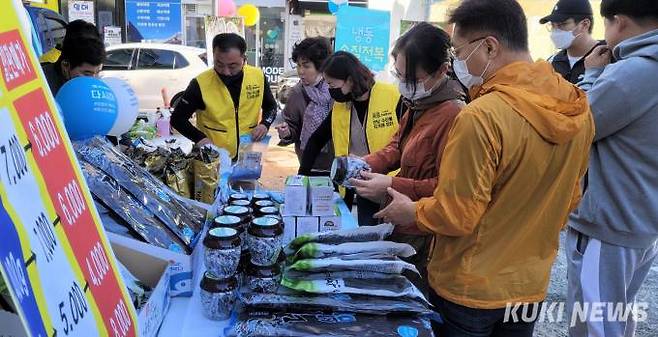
x,y
508,179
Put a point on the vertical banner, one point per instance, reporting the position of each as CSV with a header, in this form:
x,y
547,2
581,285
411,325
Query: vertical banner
x,y
154,21
81,10
294,34
54,255
364,33
218,25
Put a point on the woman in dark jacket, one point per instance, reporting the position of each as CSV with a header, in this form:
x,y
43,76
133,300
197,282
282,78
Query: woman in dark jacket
x,y
309,101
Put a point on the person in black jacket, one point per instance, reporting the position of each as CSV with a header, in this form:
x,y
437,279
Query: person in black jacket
x,y
571,24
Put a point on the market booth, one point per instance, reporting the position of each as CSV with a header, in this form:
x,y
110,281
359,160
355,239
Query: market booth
x,y
152,239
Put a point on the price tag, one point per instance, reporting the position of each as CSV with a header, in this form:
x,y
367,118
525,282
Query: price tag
x,y
55,255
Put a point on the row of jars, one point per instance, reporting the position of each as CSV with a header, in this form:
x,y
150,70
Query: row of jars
x,y
245,240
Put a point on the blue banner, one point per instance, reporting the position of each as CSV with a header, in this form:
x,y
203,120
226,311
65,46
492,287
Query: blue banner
x,y
154,21
364,33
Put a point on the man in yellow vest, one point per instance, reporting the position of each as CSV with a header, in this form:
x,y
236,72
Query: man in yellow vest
x,y
227,99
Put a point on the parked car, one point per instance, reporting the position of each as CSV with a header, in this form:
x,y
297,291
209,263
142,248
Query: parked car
x,y
151,67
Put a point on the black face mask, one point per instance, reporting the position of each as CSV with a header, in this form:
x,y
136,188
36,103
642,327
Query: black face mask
x,y
338,96
230,79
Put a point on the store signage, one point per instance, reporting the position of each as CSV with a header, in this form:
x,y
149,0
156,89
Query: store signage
x,y
215,25
364,33
154,21
54,255
81,10
111,35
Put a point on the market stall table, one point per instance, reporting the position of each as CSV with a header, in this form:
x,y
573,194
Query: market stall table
x,y
185,317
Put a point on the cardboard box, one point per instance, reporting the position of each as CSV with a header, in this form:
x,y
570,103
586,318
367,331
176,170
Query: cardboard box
x,y
153,272
296,195
181,265
321,196
331,222
306,225
289,227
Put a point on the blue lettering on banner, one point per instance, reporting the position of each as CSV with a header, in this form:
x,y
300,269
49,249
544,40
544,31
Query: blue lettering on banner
x,y
364,33
13,264
154,20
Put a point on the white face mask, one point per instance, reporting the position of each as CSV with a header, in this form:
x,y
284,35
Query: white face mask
x,y
562,39
407,91
461,70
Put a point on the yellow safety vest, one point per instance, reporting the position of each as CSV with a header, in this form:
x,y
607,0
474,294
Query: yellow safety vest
x,y
221,121
381,120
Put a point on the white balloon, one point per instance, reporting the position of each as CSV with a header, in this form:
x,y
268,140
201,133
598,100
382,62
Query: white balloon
x,y
128,105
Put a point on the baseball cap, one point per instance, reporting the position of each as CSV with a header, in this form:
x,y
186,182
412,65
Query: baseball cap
x,y
566,9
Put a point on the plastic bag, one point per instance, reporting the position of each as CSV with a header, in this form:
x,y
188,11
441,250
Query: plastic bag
x,y
177,173
387,265
117,200
266,324
365,249
142,130
347,167
250,155
206,174
360,234
183,219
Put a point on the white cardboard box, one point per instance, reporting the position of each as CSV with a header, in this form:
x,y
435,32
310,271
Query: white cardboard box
x,y
296,195
289,227
331,222
306,225
153,272
321,196
180,264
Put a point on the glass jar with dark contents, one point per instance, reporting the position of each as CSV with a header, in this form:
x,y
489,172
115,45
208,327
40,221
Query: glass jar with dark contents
x,y
237,196
243,203
244,214
262,203
218,296
266,211
264,240
222,253
260,196
263,279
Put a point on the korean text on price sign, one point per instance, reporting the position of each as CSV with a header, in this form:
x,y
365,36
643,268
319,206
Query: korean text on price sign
x,y
54,256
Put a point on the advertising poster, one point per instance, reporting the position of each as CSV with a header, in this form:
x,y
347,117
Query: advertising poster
x,y
154,21
364,33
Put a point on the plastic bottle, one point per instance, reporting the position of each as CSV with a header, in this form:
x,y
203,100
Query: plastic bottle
x,y
163,125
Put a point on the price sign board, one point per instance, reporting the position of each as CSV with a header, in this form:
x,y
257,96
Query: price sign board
x,y
54,254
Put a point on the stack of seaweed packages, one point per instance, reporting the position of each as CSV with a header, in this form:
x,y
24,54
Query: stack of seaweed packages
x,y
191,175
341,283
134,203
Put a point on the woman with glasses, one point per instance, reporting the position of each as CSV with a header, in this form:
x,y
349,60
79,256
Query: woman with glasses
x,y
433,100
309,101
363,119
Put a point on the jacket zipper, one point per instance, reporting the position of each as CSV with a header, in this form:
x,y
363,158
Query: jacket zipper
x,y
237,132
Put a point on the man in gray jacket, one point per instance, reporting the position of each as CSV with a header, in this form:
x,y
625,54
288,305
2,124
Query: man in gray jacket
x,y
612,238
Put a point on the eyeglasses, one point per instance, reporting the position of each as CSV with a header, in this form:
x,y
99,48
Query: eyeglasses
x,y
453,50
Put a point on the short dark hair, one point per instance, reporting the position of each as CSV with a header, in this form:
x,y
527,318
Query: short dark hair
x,y
81,50
343,65
314,49
226,41
81,28
635,9
503,19
579,18
423,45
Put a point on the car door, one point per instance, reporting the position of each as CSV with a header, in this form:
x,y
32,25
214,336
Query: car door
x,y
154,71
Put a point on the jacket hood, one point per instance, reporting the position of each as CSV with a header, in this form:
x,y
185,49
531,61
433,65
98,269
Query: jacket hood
x,y
645,45
555,108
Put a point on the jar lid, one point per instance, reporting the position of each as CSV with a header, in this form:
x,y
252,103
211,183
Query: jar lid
x,y
227,221
265,222
238,196
268,211
222,238
240,202
236,210
214,284
261,196
264,203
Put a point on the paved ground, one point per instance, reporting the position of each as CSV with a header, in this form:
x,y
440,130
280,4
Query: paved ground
x,y
281,161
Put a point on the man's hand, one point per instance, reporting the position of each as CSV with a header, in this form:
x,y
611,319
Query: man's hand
x,y
598,58
203,142
373,187
283,130
258,133
401,212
